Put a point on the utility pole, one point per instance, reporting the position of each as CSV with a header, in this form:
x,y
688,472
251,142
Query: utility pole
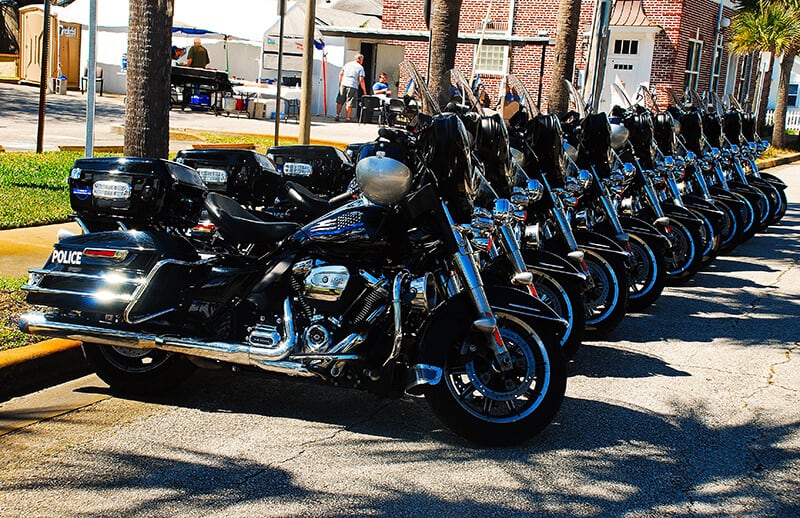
x,y
308,74
44,77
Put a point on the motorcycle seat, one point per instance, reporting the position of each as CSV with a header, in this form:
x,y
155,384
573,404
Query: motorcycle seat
x,y
315,206
236,223
302,198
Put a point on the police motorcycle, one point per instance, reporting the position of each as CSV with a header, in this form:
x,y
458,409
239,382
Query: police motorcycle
x,y
558,281
743,153
585,138
728,161
686,169
642,137
536,141
693,120
382,293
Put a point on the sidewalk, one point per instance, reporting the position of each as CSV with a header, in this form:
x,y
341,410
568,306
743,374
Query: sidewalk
x,y
65,122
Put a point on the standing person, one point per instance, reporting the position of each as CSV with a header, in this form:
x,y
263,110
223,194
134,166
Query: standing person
x,y
197,56
351,78
381,86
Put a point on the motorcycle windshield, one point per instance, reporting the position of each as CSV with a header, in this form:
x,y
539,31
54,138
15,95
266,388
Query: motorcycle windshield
x,y
417,89
526,99
622,95
576,101
647,99
462,92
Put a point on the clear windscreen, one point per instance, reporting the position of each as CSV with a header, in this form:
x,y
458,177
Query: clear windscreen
x,y
465,90
526,99
623,95
417,89
644,95
576,101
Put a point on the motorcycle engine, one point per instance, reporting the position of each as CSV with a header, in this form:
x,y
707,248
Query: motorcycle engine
x,y
334,301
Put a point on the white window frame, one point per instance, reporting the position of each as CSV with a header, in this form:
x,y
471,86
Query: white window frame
x,y
796,95
693,59
497,54
629,51
716,70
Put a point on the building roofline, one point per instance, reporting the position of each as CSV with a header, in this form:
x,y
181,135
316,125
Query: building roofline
x,y
463,37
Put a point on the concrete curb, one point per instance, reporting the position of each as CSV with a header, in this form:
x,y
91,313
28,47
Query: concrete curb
x,y
34,367
774,162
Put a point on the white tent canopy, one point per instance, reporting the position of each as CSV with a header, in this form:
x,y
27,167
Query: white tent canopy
x,y
242,19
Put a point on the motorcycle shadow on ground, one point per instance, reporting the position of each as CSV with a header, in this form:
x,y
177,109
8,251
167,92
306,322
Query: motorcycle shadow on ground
x,y
601,457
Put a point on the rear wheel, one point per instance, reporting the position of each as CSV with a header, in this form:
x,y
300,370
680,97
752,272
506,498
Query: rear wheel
x,y
138,371
483,404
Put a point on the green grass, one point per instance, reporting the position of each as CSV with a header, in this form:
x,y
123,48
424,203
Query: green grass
x,y
12,304
33,188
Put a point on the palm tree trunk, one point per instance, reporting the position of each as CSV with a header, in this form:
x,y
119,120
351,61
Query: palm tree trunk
x,y
445,15
147,98
569,13
779,130
762,103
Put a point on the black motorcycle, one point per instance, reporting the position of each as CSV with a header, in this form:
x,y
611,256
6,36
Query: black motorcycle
x,y
382,293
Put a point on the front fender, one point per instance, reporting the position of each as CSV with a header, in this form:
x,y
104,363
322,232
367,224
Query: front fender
x,y
599,243
563,270
774,180
704,207
436,335
683,215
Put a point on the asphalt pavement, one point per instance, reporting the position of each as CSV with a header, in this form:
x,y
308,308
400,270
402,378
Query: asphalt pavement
x,y
65,122
690,409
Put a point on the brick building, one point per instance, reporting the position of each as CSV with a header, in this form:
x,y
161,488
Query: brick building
x,y
663,44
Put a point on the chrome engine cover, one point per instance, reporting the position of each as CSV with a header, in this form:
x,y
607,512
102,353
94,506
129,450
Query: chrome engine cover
x,y
325,282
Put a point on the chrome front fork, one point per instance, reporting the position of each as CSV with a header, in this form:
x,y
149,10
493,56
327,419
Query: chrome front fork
x,y
487,323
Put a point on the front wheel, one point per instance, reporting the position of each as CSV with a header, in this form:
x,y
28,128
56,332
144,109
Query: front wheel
x,y
567,301
648,276
142,372
606,301
485,405
683,259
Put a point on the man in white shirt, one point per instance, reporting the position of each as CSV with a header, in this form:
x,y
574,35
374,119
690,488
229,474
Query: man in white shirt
x,y
351,78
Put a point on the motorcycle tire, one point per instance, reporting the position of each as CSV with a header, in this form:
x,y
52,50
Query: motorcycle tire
x,y
138,372
781,204
709,238
607,301
730,231
749,219
764,207
567,301
489,407
777,201
684,259
649,275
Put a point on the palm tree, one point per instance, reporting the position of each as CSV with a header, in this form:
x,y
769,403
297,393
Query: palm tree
x,y
771,27
148,80
445,15
569,13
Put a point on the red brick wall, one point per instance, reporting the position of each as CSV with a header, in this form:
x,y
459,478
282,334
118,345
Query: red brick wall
x,y
680,20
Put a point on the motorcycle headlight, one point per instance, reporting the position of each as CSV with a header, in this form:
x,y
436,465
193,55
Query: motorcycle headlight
x,y
715,153
617,178
763,145
502,210
691,158
735,149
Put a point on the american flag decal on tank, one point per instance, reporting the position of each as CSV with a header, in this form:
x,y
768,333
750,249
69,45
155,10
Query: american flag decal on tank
x,y
351,222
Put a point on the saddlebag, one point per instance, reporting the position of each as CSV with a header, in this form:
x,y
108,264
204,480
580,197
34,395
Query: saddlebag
x,y
133,275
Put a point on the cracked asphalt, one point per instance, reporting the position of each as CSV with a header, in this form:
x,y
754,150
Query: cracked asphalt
x,y
690,409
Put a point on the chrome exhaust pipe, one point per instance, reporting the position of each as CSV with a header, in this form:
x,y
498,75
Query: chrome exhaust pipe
x,y
38,323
